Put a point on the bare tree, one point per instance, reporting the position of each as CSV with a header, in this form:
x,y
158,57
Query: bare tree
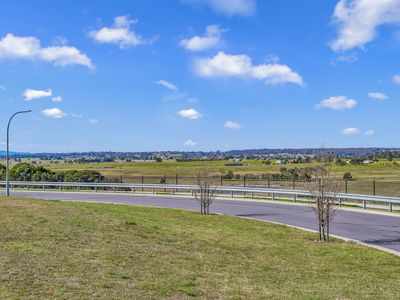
x,y
205,193
323,190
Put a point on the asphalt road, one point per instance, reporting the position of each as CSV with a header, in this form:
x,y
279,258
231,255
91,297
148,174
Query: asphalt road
x,y
372,228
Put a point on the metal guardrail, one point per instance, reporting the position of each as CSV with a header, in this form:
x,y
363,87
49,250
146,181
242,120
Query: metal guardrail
x,y
269,192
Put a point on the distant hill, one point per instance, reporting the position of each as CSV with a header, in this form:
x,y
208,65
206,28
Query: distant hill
x,y
4,153
376,152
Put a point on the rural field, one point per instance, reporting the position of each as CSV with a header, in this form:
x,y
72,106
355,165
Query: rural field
x,y
386,174
52,249
381,170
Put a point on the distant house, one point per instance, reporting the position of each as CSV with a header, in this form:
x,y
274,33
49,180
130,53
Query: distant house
x,y
280,162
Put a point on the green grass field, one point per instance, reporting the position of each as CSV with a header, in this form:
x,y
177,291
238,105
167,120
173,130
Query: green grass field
x,y
380,170
385,173
58,250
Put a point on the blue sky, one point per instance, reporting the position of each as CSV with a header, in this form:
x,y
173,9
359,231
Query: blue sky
x,y
199,74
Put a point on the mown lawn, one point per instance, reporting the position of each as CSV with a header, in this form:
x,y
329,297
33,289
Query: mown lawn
x,y
51,249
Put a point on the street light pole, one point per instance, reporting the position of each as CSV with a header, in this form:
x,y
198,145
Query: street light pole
x,y
8,150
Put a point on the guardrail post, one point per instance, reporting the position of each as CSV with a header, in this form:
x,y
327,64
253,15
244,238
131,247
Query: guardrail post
x,y
364,204
142,181
221,180
77,188
273,197
294,198
391,207
252,195
152,190
340,201
232,194
293,184
345,186
95,189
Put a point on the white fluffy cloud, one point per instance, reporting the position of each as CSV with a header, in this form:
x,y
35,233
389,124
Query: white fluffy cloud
x,y
2,87
229,7
225,65
190,143
396,79
232,125
190,113
337,103
351,131
31,94
167,85
120,33
29,48
93,121
377,96
370,132
55,113
211,39
57,99
358,20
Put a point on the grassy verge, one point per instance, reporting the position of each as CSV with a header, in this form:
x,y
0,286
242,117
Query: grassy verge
x,y
51,249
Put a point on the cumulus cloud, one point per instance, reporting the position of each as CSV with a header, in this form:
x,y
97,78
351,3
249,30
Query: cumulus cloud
x,y
229,7
29,48
358,21
189,143
211,39
31,94
370,132
396,79
241,66
55,113
190,113
2,87
232,125
167,85
351,131
337,103
377,96
120,34
57,99
93,121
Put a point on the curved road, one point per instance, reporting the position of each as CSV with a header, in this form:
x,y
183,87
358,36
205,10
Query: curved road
x,y
376,229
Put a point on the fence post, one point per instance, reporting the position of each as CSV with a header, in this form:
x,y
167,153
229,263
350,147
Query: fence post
x,y
345,186
142,181
374,187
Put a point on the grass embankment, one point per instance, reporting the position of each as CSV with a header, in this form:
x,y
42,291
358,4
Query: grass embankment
x,y
51,249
